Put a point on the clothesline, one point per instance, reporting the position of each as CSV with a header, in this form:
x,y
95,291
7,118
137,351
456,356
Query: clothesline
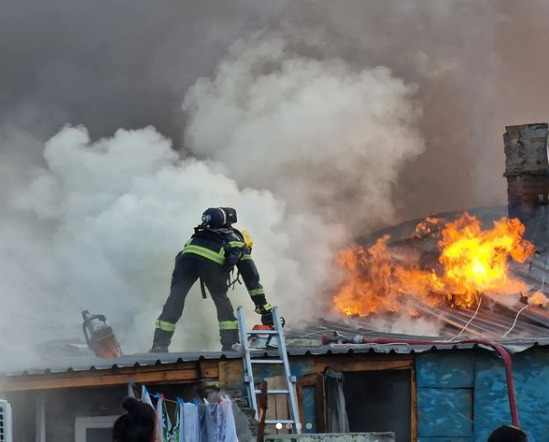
x,y
132,386
228,398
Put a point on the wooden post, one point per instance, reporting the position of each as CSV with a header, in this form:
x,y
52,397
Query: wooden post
x,y
262,411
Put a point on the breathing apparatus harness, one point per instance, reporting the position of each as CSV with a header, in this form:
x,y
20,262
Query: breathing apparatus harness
x,y
222,235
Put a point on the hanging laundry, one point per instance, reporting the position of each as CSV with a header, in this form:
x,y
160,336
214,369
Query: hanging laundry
x,y
190,423
202,425
131,386
167,427
193,422
160,418
145,396
220,426
212,430
177,433
228,429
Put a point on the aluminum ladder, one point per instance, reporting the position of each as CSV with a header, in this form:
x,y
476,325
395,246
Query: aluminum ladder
x,y
282,359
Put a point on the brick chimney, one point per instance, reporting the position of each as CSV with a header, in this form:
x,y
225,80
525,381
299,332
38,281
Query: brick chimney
x,y
527,173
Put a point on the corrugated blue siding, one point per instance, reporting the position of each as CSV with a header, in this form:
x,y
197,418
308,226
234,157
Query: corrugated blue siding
x,y
445,412
532,387
531,375
443,379
491,400
445,395
453,370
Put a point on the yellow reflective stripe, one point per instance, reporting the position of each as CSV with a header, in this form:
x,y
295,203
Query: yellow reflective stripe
x,y
165,326
204,252
246,257
257,292
268,307
236,244
228,325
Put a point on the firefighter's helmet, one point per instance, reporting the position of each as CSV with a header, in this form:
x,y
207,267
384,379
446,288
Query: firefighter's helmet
x,y
218,217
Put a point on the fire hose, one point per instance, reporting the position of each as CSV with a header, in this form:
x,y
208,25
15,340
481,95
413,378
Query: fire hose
x,y
500,349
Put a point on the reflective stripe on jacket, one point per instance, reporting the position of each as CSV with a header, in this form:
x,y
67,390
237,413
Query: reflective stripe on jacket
x,y
217,257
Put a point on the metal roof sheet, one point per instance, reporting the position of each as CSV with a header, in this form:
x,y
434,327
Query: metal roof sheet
x,y
87,363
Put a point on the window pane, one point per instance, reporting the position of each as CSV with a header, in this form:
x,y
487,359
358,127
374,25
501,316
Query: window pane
x,y
99,435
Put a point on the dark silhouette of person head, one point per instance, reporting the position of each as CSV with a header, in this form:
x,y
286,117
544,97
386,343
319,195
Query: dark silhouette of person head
x,y
508,433
137,424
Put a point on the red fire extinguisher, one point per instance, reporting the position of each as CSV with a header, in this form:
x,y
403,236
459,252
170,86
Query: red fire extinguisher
x,y
100,336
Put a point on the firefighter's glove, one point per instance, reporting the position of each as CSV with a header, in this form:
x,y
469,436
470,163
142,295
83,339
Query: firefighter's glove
x,y
266,313
263,309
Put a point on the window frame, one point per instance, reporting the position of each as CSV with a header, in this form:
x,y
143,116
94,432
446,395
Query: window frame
x,y
367,363
82,423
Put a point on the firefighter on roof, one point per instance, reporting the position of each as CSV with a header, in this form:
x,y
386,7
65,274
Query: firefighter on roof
x,y
210,255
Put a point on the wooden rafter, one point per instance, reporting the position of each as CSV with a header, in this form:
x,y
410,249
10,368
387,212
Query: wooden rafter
x,y
186,372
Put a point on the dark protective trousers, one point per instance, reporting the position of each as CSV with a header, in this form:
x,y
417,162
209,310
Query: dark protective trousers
x,y
188,269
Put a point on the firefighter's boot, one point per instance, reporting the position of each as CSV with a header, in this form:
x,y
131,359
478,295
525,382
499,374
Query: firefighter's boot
x,y
229,340
161,341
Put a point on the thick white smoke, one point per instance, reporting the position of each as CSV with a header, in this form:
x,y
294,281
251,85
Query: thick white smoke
x,y
327,137
304,149
118,210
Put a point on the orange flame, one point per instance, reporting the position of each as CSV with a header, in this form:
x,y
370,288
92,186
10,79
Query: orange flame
x,y
471,261
538,298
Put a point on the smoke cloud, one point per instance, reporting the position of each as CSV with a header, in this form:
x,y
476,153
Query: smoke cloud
x,y
323,121
119,208
328,138
112,215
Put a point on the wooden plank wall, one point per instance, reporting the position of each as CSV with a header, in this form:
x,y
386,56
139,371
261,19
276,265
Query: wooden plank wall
x,y
311,370
180,373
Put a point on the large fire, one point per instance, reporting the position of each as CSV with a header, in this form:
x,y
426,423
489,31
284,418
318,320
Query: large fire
x,y
471,261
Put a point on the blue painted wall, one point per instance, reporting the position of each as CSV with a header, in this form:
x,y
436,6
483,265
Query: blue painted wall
x,y
462,395
445,383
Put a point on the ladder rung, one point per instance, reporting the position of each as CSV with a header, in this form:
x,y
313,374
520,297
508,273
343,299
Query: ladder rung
x,y
280,358
274,391
262,332
266,361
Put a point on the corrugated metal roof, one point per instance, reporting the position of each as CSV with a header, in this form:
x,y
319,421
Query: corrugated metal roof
x,y
298,347
512,325
90,363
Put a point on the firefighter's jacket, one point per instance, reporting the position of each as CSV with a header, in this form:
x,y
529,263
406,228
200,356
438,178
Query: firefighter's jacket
x,y
227,248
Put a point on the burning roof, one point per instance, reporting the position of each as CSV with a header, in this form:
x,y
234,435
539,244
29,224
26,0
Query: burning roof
x,y
471,261
462,269
472,275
